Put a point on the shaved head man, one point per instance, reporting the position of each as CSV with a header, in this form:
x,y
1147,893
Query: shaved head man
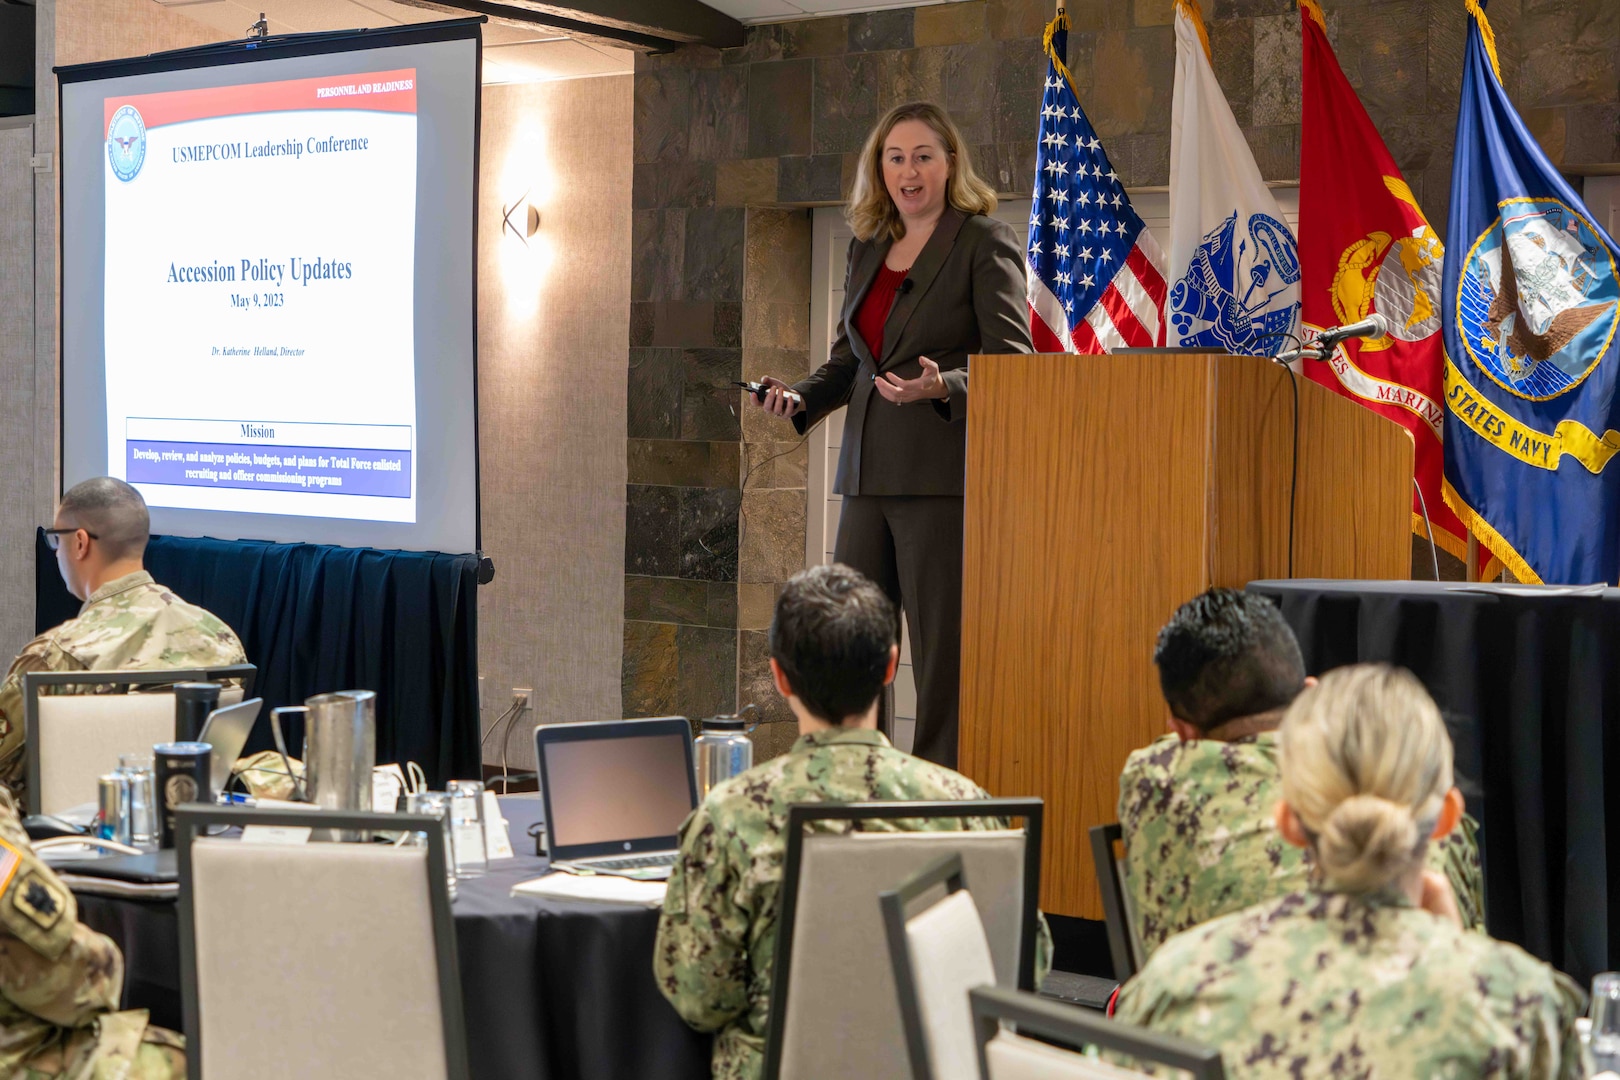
x,y
100,534
128,621
60,989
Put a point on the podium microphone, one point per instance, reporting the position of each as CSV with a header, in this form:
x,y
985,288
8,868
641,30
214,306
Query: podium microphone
x,y
1374,325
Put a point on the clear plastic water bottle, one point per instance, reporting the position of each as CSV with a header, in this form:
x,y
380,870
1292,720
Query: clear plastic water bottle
x,y
722,750
1605,1024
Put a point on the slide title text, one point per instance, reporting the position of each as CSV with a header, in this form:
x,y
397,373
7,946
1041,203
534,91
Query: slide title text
x,y
302,271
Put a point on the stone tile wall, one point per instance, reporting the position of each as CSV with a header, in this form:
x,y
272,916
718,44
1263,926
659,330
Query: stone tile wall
x,y
730,147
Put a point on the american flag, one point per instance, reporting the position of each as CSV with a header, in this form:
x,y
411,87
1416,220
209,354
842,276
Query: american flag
x,y
1096,276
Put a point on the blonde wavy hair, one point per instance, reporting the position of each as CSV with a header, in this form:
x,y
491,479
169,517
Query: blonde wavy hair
x,y
1366,765
871,212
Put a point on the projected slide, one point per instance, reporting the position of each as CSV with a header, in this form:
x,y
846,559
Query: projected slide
x,y
260,257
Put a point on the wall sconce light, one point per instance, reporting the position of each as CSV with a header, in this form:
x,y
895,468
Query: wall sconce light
x,y
521,219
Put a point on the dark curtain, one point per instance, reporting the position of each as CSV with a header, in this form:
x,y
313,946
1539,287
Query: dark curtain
x,y
316,618
1527,681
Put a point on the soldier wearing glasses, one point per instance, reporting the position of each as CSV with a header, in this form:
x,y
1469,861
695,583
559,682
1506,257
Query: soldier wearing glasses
x,y
128,622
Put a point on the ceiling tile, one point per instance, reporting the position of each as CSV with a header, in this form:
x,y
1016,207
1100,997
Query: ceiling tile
x,y
760,10
566,59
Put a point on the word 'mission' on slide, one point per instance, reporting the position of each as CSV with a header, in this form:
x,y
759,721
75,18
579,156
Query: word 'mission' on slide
x,y
260,269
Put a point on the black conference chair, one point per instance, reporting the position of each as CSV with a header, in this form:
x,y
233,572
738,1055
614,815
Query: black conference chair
x,y
832,970
1007,1054
1116,909
76,728
363,979
939,952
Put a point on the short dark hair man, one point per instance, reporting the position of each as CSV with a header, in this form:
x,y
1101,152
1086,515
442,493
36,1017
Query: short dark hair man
x,y
834,647
128,621
1196,806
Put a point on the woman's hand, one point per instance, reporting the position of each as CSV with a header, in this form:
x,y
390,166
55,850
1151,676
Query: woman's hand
x,y
1438,898
928,386
779,399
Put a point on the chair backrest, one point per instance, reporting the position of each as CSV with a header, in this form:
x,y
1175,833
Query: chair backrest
x,y
322,960
938,953
834,1007
74,735
1011,1055
1124,943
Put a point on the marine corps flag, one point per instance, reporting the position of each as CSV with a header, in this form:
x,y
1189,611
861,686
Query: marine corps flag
x,y
1532,365
1364,247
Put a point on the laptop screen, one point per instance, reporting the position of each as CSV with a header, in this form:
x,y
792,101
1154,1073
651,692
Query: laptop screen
x,y
601,791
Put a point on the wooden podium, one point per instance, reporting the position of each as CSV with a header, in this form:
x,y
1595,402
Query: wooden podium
x,y
1103,492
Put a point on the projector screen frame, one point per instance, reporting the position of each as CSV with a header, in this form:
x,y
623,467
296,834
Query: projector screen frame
x,y
276,47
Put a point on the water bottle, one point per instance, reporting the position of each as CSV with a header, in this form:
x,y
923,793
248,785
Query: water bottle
x,y
1605,1024
722,750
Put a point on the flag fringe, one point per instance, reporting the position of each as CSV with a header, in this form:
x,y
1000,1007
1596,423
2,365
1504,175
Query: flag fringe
x,y
1059,23
1486,34
1314,10
1195,15
1494,542
1445,541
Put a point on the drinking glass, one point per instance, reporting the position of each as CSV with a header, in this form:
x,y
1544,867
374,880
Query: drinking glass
x,y
143,821
435,804
467,826
1606,1021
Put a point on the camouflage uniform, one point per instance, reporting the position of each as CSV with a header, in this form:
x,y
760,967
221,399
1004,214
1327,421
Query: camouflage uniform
x,y
1320,985
1201,840
717,935
129,624
60,983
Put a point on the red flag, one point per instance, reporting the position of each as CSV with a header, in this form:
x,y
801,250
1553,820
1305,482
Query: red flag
x,y
1365,246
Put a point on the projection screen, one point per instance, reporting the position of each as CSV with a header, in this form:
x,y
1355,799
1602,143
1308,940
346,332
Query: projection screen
x,y
268,291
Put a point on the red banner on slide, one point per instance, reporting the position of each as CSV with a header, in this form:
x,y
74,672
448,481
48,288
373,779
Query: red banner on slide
x,y
374,91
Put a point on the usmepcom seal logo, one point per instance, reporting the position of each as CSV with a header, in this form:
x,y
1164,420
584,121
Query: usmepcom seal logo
x,y
126,143
1538,300
1235,296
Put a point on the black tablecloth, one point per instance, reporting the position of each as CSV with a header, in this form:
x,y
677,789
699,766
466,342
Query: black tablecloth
x,y
316,618
550,990
1528,679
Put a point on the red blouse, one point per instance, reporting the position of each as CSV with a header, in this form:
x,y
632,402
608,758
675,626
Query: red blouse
x,y
874,310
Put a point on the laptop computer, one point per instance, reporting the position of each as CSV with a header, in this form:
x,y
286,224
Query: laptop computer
x,y
616,793
227,731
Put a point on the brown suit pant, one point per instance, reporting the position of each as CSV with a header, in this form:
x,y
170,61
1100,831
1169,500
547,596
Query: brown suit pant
x,y
911,545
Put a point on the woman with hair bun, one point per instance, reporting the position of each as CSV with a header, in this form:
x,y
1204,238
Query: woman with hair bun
x,y
1367,972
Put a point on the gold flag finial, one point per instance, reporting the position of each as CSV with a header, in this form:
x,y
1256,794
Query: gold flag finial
x,y
1486,34
1060,22
1190,9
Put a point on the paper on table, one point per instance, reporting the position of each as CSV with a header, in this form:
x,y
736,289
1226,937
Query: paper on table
x,y
497,843
292,835
599,888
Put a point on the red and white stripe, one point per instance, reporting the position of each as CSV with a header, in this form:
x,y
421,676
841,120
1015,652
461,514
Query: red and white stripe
x,y
1128,315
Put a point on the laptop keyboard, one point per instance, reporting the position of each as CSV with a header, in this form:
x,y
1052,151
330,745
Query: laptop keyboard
x,y
632,862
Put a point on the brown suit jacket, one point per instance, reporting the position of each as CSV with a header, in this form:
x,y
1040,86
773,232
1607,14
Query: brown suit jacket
x,y
966,297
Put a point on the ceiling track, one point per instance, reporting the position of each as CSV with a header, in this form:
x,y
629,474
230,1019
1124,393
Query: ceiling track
x,y
600,29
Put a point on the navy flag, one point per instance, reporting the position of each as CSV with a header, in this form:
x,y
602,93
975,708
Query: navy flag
x,y
1532,364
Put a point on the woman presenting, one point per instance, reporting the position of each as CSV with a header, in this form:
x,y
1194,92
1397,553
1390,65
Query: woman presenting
x,y
931,279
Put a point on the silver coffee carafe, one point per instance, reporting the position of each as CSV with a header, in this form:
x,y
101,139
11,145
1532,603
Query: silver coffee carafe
x,y
340,749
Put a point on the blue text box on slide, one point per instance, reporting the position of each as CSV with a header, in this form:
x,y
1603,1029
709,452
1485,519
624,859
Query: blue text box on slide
x,y
315,469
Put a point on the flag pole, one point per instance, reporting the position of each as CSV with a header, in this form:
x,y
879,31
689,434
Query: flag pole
x,y
1473,556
